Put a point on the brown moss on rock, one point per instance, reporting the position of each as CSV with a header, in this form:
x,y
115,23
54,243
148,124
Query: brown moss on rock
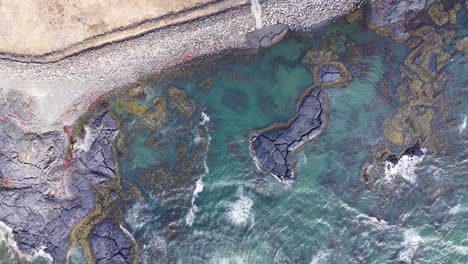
x,y
206,85
155,115
317,57
354,16
131,107
437,13
322,63
462,45
137,90
158,113
179,99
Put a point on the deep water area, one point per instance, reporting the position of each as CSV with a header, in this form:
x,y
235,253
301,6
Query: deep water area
x,y
192,192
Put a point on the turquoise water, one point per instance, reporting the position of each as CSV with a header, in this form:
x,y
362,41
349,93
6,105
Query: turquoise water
x,y
200,198
328,215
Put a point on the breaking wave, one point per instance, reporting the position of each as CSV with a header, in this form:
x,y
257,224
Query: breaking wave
x,y
462,126
13,252
190,218
241,210
405,168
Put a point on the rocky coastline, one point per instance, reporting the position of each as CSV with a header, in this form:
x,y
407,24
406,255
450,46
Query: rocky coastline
x,y
273,149
53,191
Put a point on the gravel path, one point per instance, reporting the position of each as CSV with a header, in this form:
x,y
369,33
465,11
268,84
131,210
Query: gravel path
x,y
59,92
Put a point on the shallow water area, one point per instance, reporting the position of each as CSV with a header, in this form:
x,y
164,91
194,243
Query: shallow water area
x,y
223,209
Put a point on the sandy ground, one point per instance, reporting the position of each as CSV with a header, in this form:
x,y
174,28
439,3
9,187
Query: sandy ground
x,y
59,92
59,23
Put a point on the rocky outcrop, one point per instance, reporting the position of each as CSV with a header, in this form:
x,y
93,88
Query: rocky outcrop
x,y
326,69
99,159
266,36
273,148
110,244
44,190
386,12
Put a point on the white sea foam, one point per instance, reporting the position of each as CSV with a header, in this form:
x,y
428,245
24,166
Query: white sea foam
x,y
190,218
137,217
205,119
129,235
85,145
198,189
241,210
157,244
232,260
321,257
412,241
462,126
462,250
257,13
405,168
6,236
458,209
370,220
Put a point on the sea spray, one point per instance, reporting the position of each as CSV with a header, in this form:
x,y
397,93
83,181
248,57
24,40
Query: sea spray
x,y
257,13
462,126
199,184
137,217
241,210
13,252
411,242
405,168
321,257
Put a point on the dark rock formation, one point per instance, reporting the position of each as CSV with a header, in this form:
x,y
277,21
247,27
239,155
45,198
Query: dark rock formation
x,y
329,74
386,12
414,152
100,159
266,36
273,148
41,197
110,244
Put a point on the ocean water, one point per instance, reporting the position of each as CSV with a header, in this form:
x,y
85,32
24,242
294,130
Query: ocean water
x,y
233,212
202,199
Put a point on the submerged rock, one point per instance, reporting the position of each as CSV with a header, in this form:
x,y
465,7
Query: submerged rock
x,y
266,36
110,244
273,149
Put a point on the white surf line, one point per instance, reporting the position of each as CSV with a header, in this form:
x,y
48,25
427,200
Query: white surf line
x,y
257,13
190,218
128,234
462,126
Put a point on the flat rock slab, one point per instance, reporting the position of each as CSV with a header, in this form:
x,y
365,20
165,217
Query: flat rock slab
x,y
110,244
266,36
273,149
41,199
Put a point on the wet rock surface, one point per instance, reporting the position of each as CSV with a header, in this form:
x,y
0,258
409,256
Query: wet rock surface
x,y
42,197
273,149
329,74
386,12
110,244
266,36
